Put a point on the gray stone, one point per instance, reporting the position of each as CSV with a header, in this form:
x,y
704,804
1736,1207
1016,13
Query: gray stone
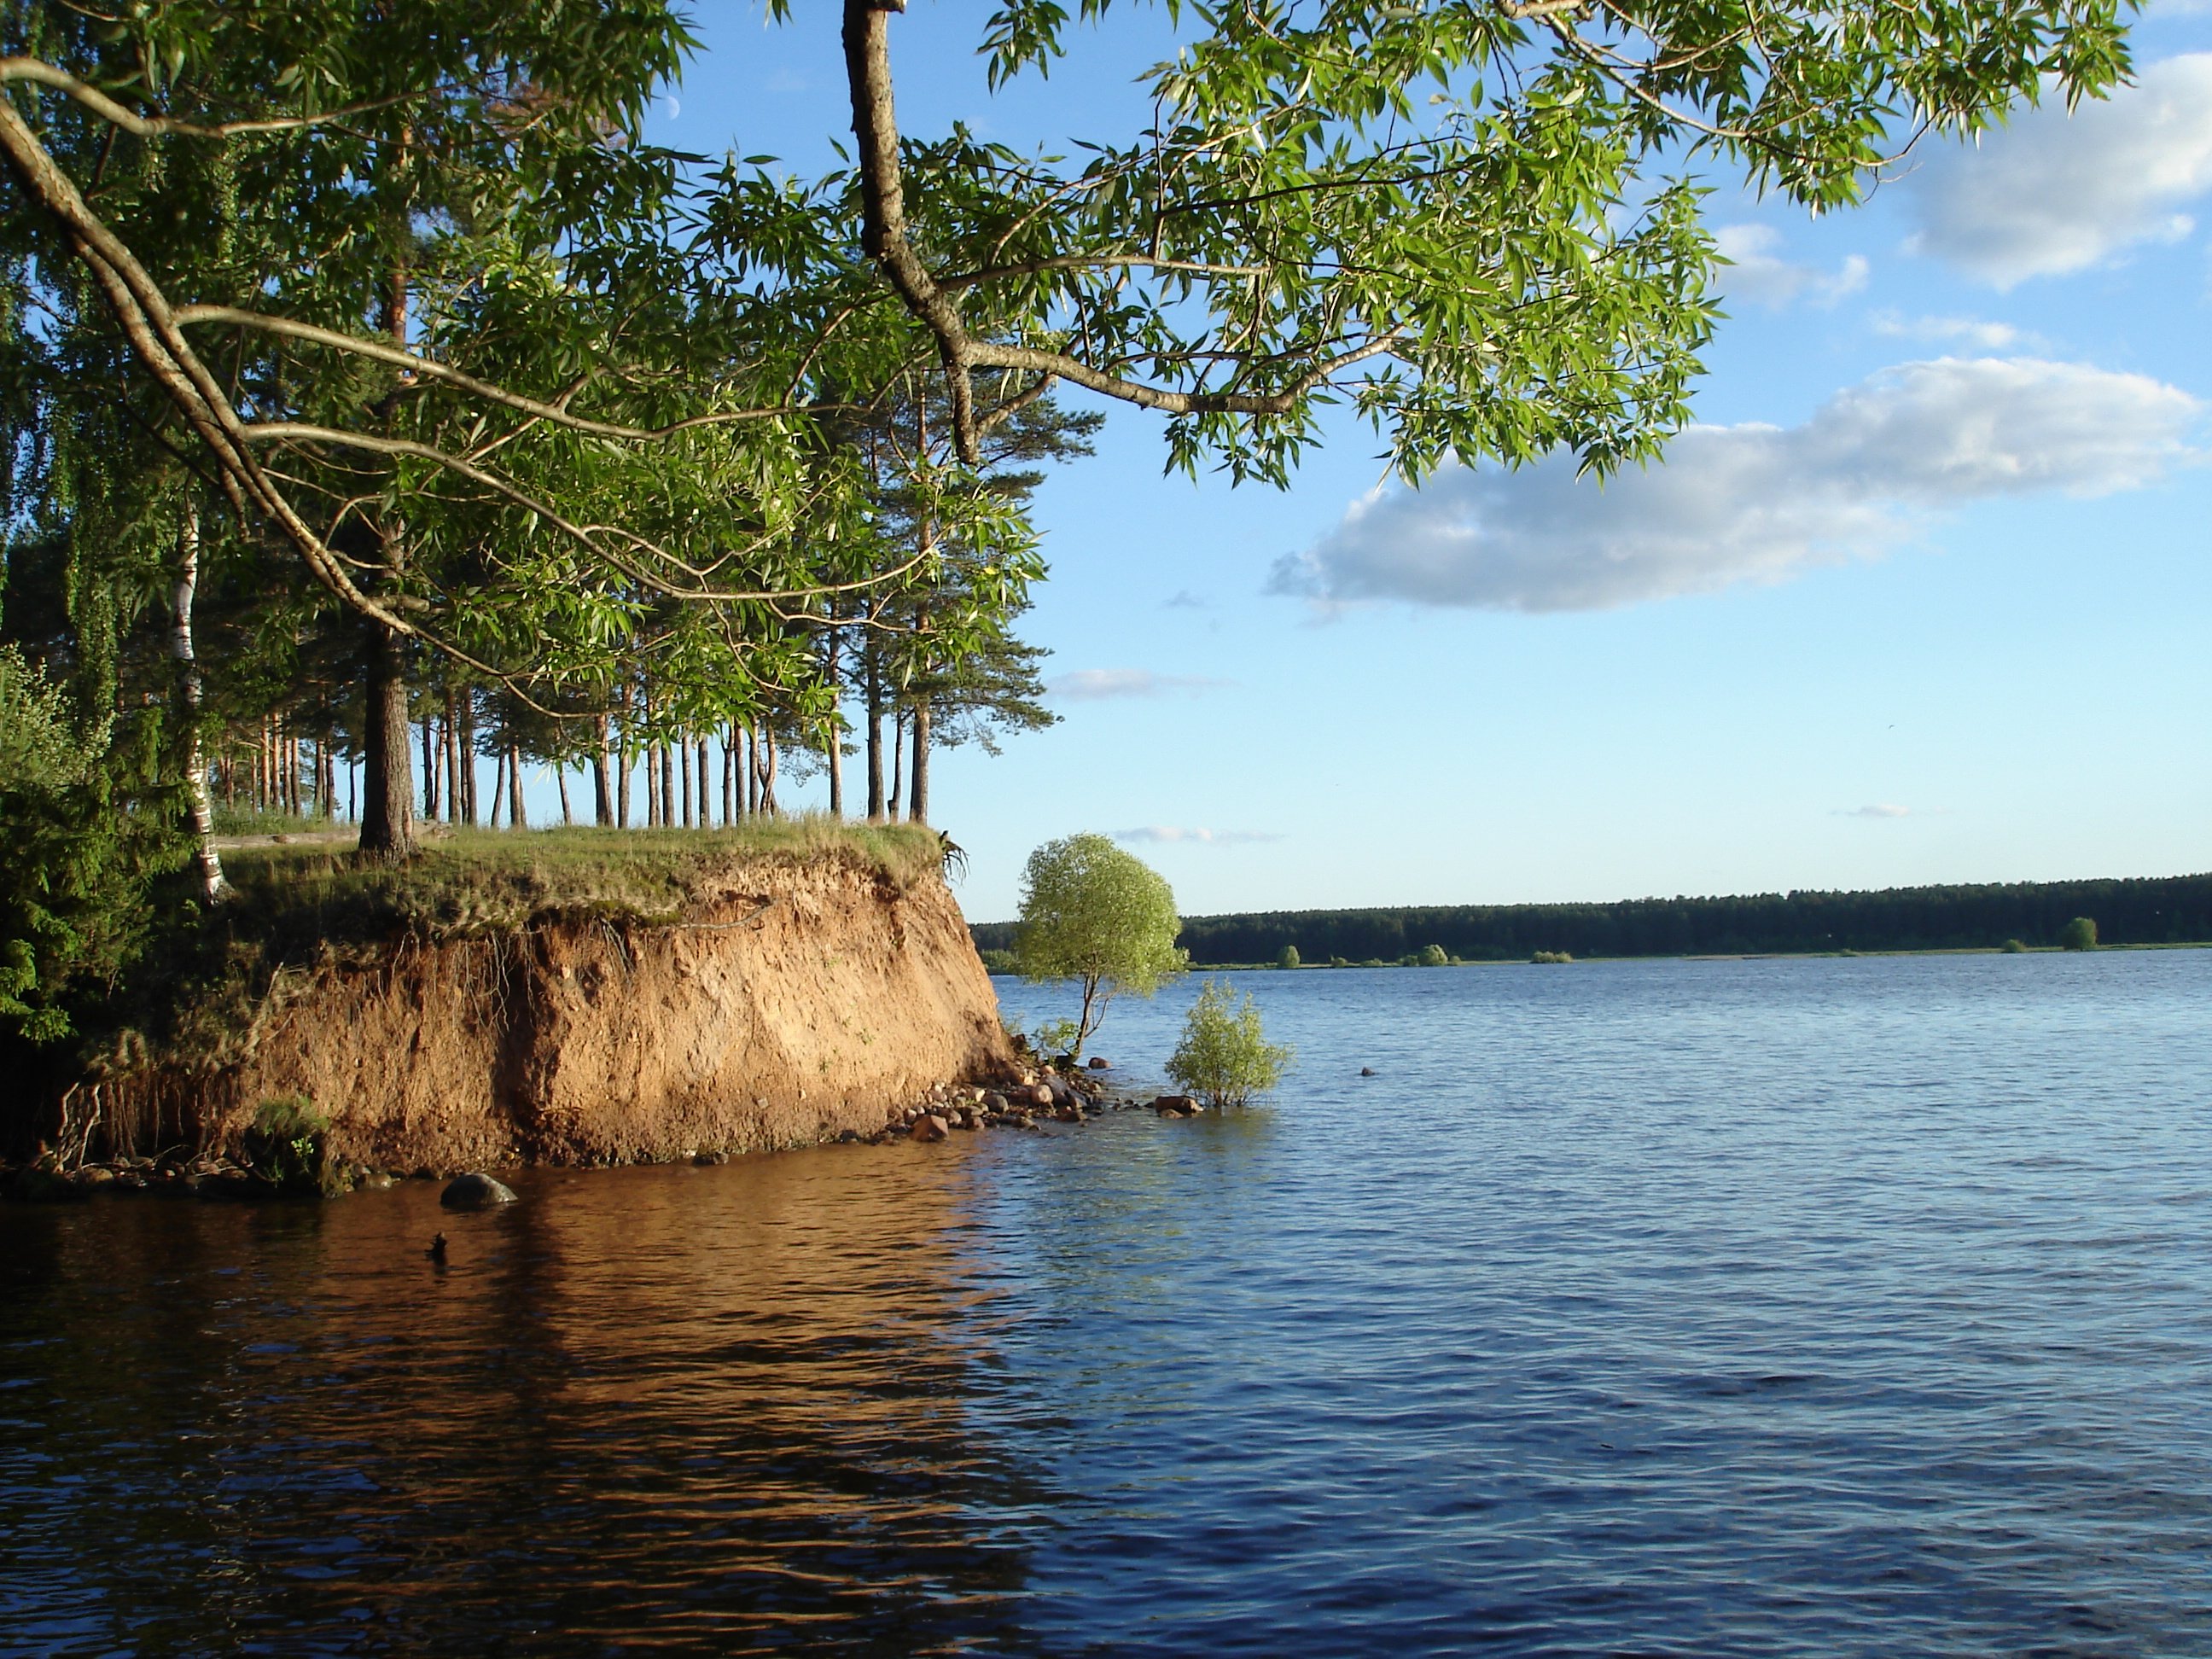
x,y
475,1191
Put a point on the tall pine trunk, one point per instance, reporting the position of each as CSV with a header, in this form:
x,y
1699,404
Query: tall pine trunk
x,y
917,801
387,826
603,793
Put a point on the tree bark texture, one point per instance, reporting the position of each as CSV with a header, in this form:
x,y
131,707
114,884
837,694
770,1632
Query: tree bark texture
x,y
207,862
387,828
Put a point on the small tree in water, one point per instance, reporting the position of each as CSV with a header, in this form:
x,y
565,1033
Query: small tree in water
x,y
1223,1055
2079,934
1094,914
1287,957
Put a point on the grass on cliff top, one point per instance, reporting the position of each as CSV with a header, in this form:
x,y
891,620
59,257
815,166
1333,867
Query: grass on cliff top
x,y
484,880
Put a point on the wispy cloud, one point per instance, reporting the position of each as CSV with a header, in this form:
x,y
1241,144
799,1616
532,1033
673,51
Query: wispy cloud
x,y
2053,193
1761,275
1731,504
1162,833
1879,810
1186,600
1089,684
1972,331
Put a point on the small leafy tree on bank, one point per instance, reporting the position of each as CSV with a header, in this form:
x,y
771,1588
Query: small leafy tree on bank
x,y
1095,914
1288,957
1224,1055
2079,934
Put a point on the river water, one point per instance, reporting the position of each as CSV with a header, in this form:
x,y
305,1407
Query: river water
x,y
1834,1307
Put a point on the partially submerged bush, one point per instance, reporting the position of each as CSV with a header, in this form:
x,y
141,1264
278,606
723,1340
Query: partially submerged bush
x,y
284,1145
1225,1056
1552,956
2079,934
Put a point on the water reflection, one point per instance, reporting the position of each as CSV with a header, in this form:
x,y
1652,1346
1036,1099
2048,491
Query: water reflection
x,y
1818,1308
719,1407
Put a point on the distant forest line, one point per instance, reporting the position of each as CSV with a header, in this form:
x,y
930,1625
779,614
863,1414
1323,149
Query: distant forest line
x,y
2164,910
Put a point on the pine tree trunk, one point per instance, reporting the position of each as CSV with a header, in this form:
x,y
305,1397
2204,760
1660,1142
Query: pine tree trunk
x,y
454,786
603,793
518,815
429,769
498,789
764,759
468,749
684,758
875,717
387,829
667,787
898,767
918,805
705,799
207,862
560,781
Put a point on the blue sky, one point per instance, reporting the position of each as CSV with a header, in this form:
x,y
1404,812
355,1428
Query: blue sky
x,y
1923,597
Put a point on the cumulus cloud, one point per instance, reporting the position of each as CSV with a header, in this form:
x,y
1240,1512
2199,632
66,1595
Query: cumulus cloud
x,y
2053,193
1879,810
1761,275
1087,684
1753,502
1163,833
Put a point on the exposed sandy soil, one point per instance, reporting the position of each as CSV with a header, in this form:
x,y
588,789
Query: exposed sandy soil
x,y
791,1002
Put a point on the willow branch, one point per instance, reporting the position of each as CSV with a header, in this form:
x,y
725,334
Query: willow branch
x,y
555,414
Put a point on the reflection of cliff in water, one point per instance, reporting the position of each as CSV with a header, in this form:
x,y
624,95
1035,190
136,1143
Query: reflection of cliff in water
x,y
724,1408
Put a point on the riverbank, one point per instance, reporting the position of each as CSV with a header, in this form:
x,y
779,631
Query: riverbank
x,y
570,997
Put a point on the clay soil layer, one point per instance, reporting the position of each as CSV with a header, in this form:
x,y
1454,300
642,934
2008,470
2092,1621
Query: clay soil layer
x,y
790,1002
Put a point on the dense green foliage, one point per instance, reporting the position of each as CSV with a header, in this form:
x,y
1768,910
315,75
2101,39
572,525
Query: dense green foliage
x,y
2169,910
2079,934
1224,1056
1100,916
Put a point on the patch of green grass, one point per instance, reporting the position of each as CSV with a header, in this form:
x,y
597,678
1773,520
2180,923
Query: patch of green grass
x,y
479,881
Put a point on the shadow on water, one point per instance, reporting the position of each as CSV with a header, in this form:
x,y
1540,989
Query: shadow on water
x,y
721,1409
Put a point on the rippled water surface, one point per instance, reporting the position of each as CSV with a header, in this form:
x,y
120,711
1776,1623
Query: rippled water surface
x,y
1854,1307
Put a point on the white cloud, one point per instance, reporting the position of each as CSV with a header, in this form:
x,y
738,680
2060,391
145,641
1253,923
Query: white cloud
x,y
2053,193
1086,685
1753,502
1159,833
1879,810
1764,278
1952,330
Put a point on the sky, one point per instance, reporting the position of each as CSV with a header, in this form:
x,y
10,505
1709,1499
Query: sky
x,y
1921,596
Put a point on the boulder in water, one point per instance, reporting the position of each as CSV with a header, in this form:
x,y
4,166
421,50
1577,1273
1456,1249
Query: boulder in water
x,y
475,1191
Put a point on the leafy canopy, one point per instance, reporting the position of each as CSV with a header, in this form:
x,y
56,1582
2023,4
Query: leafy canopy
x,y
1098,916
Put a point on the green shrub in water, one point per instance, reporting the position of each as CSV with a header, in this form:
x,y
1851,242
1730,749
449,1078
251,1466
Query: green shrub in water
x,y
284,1145
2012,947
2079,934
1225,1056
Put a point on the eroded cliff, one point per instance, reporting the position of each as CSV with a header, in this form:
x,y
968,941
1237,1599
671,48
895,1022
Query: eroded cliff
x,y
782,1001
